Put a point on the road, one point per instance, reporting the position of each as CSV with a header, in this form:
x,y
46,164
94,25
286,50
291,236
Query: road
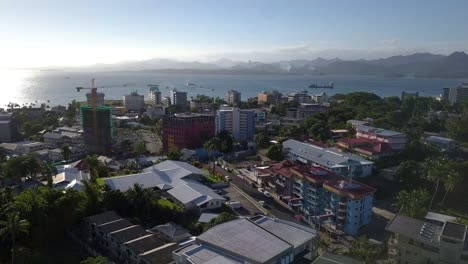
x,y
153,145
274,208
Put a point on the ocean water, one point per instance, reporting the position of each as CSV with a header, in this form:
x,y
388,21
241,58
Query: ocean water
x,y
58,87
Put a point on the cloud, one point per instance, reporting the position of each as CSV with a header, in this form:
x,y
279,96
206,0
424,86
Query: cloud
x,y
390,42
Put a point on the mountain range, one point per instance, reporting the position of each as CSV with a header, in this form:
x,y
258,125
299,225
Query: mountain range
x,y
425,65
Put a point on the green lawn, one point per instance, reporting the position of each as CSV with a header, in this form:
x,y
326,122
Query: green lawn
x,y
212,178
100,181
168,204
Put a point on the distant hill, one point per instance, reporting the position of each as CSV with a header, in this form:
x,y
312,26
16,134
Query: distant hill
x,y
427,65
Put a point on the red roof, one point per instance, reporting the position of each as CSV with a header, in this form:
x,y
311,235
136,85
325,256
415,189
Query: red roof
x,y
367,146
332,181
352,141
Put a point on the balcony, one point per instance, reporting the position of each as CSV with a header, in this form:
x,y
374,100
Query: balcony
x,y
298,188
280,183
297,193
392,242
392,252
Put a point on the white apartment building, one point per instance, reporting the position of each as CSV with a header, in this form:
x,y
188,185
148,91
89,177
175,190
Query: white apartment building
x,y
320,98
134,102
239,123
154,95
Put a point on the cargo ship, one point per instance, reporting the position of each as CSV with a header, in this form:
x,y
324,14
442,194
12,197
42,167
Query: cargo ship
x,y
328,86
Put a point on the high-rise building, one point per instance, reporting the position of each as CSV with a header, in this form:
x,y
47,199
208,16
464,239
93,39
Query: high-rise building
x,y
179,98
187,131
97,129
436,239
99,99
166,101
268,97
154,95
8,128
239,123
134,102
456,94
300,98
233,97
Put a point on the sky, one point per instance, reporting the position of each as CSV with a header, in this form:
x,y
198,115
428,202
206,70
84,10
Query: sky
x,y
40,33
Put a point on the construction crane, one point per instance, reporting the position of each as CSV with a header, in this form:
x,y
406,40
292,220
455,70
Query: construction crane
x,y
93,89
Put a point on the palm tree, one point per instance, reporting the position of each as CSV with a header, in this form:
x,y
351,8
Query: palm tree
x,y
32,165
66,152
93,165
452,180
226,141
47,170
210,146
412,203
12,227
435,174
93,196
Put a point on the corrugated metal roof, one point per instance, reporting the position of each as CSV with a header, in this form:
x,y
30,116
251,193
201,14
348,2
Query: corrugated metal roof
x,y
326,157
243,238
292,233
171,176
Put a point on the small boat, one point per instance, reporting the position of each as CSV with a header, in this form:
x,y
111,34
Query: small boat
x,y
189,83
328,86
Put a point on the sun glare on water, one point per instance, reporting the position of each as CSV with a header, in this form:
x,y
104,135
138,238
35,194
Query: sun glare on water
x,y
15,86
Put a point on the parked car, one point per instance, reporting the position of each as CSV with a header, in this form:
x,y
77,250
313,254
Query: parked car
x,y
267,194
261,190
234,204
262,203
227,178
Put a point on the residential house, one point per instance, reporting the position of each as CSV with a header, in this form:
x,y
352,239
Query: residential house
x,y
171,232
395,140
368,148
70,177
442,143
